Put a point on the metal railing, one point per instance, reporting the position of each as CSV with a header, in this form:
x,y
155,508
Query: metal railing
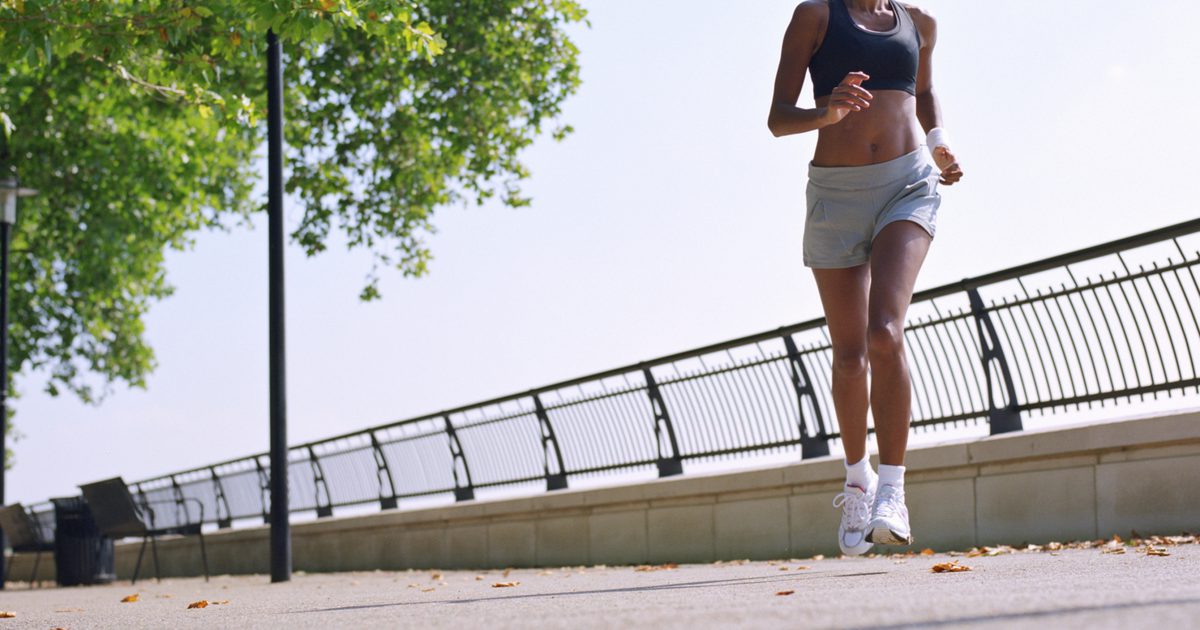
x,y
1087,327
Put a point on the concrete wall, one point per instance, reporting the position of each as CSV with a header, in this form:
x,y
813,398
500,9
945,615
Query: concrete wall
x,y
1073,483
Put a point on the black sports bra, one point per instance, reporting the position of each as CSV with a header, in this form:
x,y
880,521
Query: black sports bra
x,y
890,58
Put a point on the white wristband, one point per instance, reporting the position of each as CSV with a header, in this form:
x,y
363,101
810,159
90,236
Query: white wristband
x,y
937,138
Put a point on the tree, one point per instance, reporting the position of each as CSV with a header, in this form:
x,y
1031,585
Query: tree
x,y
138,121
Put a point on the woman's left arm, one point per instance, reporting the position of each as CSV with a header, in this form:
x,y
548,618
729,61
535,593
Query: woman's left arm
x,y
929,110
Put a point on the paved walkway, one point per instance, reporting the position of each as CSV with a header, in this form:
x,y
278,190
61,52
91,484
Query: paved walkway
x,y
1080,588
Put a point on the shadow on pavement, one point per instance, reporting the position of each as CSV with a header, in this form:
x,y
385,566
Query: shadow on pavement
x,y
1029,615
630,589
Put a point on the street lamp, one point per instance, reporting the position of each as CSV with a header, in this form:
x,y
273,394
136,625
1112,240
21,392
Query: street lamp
x,y
10,189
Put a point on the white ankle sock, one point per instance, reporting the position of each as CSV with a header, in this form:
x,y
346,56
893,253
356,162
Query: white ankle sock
x,y
891,476
860,474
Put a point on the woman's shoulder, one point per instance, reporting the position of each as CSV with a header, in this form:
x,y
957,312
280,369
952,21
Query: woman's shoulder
x,y
811,16
923,20
918,14
812,9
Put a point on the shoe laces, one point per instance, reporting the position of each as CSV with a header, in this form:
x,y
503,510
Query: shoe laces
x,y
889,501
856,508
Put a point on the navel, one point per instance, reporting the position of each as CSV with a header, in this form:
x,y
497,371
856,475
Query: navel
x,y
874,148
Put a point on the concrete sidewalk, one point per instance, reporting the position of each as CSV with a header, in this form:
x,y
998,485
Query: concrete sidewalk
x,y
1069,588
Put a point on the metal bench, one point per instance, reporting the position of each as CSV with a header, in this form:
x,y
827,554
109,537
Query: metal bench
x,y
25,535
119,515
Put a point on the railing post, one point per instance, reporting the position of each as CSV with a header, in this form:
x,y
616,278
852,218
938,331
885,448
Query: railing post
x,y
556,480
219,493
671,464
461,492
1001,419
817,444
383,472
326,509
264,489
179,500
144,504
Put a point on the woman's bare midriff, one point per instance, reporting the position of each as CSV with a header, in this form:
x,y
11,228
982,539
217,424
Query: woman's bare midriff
x,y
884,131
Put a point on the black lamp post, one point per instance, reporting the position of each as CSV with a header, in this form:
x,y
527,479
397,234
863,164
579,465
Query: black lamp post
x,y
281,533
10,189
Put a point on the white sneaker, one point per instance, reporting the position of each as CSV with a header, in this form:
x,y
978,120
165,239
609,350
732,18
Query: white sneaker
x,y
889,521
855,503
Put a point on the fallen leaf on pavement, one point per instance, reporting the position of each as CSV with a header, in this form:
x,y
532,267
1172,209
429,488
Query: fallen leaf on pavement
x,y
976,552
478,578
435,577
950,567
785,592
818,557
656,567
4,614
801,568
1156,551
506,571
200,604
220,603
783,568
926,552
504,584
1113,546
129,599
426,590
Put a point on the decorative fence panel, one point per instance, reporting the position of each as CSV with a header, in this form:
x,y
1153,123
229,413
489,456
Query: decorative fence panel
x,y
1115,322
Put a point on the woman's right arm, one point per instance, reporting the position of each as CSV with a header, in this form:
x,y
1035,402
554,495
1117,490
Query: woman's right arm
x,y
799,44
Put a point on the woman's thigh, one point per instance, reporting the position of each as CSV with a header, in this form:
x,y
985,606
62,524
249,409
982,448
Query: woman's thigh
x,y
844,295
896,257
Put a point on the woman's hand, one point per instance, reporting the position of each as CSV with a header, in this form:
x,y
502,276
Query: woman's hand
x,y
848,96
948,164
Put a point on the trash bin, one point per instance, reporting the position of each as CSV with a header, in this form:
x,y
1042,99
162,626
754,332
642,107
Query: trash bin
x,y
82,555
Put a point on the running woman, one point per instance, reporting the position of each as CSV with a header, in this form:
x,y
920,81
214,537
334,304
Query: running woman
x,y
871,215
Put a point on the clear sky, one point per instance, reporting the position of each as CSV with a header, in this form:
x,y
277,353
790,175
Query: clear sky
x,y
670,219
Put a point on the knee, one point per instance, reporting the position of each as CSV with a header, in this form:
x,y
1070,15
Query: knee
x,y
849,362
885,338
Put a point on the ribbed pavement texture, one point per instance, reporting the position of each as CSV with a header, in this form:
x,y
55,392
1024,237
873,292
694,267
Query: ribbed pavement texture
x,y
1068,588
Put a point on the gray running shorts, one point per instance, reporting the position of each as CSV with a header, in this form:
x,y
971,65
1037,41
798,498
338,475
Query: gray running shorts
x,y
849,205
